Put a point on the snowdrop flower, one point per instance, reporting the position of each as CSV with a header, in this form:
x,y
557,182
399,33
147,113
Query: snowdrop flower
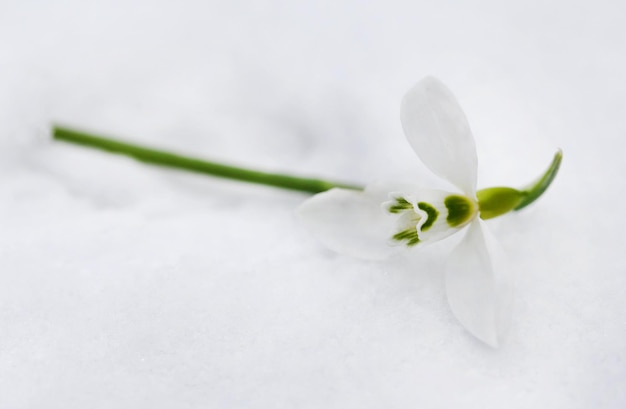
x,y
377,221
383,219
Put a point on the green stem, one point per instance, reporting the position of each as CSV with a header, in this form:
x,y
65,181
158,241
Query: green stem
x,y
163,158
536,189
499,200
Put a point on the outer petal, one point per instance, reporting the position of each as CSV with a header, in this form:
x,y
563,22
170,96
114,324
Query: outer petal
x,y
480,293
351,222
438,131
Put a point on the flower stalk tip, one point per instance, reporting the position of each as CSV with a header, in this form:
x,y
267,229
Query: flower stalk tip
x,y
496,201
536,189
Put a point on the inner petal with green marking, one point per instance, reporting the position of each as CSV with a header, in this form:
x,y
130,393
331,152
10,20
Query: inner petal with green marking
x,y
429,215
407,222
460,210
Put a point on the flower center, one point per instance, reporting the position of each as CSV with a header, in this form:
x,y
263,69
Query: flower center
x,y
420,221
410,219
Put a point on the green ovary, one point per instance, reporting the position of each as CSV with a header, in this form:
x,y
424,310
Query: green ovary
x,y
496,201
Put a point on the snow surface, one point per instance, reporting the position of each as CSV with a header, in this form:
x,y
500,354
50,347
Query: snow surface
x,y
128,286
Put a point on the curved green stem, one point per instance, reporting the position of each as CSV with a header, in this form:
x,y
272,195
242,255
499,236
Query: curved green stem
x,y
168,159
536,189
499,200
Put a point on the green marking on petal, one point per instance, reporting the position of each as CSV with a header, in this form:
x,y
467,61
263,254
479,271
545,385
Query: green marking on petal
x,y
408,235
413,242
400,205
459,210
431,213
400,236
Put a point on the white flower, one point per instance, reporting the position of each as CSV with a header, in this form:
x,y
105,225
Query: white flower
x,y
386,218
381,219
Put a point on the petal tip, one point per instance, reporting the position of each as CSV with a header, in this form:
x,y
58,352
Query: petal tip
x,y
348,222
439,133
479,290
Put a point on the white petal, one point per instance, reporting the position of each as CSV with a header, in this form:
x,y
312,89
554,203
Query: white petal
x,y
438,131
351,222
480,293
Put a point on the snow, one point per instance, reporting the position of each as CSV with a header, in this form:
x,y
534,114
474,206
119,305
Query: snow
x,y
124,285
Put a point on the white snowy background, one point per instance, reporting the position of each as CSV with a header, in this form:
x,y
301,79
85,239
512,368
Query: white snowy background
x,y
129,286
